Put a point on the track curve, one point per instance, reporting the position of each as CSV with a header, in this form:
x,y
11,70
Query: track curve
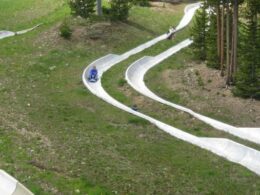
x,y
135,77
250,158
4,33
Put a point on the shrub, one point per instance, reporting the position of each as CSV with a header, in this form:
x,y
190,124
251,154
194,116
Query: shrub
x,y
106,11
65,30
141,2
200,81
120,9
83,8
121,82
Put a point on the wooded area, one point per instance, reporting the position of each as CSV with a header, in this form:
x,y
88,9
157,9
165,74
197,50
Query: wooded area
x,y
226,35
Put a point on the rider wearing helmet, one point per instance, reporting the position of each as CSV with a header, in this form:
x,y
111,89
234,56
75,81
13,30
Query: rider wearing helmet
x,y
93,74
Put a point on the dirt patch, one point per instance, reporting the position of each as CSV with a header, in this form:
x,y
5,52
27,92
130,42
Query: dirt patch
x,y
166,7
48,38
136,99
205,91
20,126
87,34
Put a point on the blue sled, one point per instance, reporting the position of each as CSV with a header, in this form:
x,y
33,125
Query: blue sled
x,y
93,78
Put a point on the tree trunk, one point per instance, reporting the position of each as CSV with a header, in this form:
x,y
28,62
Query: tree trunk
x,y
235,37
99,7
219,33
222,43
228,45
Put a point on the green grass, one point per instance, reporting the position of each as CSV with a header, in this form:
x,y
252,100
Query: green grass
x,y
18,14
58,138
181,61
128,96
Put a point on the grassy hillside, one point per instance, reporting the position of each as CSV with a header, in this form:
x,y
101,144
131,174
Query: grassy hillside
x,y
58,138
20,14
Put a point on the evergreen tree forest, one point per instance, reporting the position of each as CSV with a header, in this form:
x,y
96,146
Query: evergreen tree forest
x,y
118,10
226,36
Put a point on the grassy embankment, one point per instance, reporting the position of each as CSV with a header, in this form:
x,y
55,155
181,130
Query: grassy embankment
x,y
119,89
57,138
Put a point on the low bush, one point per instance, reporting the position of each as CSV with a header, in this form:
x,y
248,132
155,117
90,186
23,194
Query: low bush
x,y
65,30
83,8
120,10
144,3
121,82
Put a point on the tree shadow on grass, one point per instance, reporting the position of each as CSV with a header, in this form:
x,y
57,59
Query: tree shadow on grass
x,y
140,27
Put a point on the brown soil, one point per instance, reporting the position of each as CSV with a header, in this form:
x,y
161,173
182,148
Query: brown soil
x,y
19,125
205,91
165,7
87,34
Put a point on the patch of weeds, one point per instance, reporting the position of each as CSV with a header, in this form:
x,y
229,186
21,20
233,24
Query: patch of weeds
x,y
120,97
138,121
4,90
81,91
209,81
199,79
160,69
110,127
121,82
197,129
175,97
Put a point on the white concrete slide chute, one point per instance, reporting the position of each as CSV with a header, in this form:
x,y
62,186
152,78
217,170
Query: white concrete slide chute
x,y
189,13
5,33
135,77
111,59
236,152
10,186
227,149
106,62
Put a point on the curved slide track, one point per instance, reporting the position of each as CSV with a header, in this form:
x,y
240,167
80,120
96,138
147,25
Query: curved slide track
x,y
235,152
5,33
10,186
135,77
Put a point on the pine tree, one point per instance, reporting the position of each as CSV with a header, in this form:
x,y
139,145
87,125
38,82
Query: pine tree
x,y
198,33
248,75
218,6
211,42
120,9
83,8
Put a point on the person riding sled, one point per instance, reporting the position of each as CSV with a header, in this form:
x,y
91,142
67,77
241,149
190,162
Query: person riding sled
x,y
171,33
93,74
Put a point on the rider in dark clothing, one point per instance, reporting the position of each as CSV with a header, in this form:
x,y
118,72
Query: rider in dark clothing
x,y
171,33
93,74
